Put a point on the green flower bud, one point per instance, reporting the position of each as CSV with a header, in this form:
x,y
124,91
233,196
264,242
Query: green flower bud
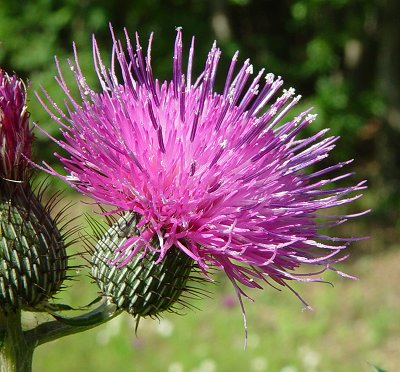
x,y
142,287
33,260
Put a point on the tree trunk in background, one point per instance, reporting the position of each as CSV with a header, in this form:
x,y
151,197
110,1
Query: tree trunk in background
x,y
389,84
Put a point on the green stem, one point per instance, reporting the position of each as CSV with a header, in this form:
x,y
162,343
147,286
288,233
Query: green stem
x,y
17,345
16,351
61,327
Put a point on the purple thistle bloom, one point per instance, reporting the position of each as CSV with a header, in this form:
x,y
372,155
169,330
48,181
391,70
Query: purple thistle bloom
x,y
220,176
15,135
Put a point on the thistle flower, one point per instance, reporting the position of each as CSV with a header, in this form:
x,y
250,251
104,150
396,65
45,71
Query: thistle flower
x,y
219,178
15,135
32,253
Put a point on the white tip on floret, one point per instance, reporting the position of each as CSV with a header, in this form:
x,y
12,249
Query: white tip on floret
x,y
297,119
255,90
269,78
231,94
273,111
311,117
72,178
82,81
287,93
298,98
249,70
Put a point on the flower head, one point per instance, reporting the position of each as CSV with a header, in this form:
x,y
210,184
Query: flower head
x,y
15,135
219,176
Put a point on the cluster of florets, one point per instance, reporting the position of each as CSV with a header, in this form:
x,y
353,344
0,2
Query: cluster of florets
x,y
15,135
221,176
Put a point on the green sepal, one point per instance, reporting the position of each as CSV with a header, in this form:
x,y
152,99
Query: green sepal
x,y
101,314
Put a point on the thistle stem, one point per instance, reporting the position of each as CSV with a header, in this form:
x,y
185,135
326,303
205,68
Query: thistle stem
x,y
61,327
16,351
17,345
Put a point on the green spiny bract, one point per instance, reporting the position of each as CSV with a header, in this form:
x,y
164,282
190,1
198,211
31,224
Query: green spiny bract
x,y
142,287
33,260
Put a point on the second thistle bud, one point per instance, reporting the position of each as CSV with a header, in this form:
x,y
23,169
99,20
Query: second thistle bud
x,y
33,260
142,287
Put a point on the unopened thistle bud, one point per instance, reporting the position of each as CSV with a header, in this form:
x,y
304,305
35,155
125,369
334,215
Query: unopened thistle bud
x,y
146,285
32,254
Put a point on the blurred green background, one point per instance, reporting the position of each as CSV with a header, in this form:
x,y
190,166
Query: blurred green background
x,y
343,56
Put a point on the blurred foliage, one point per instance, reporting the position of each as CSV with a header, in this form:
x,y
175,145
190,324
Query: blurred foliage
x,y
341,55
